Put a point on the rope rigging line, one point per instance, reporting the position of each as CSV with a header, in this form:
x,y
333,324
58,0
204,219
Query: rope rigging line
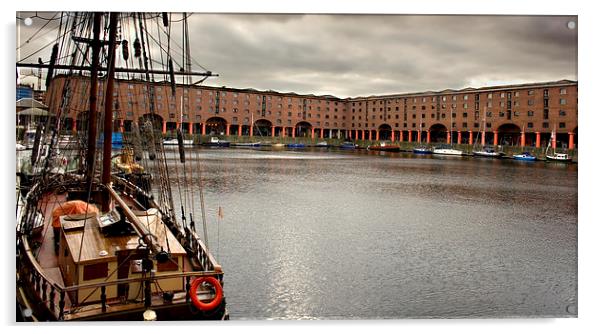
x,y
37,32
44,46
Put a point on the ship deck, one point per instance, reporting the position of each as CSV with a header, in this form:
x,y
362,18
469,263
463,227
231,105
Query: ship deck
x,y
43,250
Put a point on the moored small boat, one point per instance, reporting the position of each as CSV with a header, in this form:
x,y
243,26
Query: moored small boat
x,y
348,146
562,157
216,142
488,152
525,156
552,155
384,147
295,145
446,150
277,145
422,150
322,144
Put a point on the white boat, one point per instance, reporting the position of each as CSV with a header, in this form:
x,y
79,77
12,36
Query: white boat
x,y
485,151
559,157
216,142
551,153
488,152
446,150
174,141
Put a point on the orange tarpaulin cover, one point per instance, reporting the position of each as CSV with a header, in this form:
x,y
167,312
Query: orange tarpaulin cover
x,y
71,208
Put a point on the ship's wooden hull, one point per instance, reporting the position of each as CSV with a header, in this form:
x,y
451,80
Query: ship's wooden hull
x,y
47,290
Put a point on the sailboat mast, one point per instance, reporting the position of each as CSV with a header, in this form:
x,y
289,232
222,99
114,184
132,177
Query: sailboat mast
x,y
484,127
92,115
108,120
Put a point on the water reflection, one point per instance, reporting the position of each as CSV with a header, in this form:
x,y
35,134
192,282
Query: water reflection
x,y
335,234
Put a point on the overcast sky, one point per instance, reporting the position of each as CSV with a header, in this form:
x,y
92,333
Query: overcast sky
x,y
360,55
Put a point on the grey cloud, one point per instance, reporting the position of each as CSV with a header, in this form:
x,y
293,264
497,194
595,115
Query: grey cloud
x,y
353,55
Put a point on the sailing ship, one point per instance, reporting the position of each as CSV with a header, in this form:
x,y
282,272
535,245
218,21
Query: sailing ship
x,y
91,244
552,155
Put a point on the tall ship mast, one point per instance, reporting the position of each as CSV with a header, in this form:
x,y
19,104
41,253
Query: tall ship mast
x,y
93,242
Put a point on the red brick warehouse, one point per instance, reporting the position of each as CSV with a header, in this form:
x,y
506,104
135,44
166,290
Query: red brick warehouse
x,y
516,115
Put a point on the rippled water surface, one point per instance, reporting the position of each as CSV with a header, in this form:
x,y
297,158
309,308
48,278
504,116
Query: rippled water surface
x,y
358,235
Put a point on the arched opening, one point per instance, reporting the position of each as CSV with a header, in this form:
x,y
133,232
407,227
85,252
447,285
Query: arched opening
x,y
155,119
438,133
303,129
384,132
262,128
216,126
509,134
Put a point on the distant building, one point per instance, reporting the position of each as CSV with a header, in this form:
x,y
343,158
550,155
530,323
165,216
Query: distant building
x,y
516,115
24,91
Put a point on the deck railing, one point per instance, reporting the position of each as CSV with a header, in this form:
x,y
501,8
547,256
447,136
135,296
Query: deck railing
x,y
49,296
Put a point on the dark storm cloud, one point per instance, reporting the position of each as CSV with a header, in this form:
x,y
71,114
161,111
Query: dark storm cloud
x,y
351,55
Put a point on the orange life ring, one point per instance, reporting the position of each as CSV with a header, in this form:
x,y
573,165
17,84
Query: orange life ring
x,y
218,293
